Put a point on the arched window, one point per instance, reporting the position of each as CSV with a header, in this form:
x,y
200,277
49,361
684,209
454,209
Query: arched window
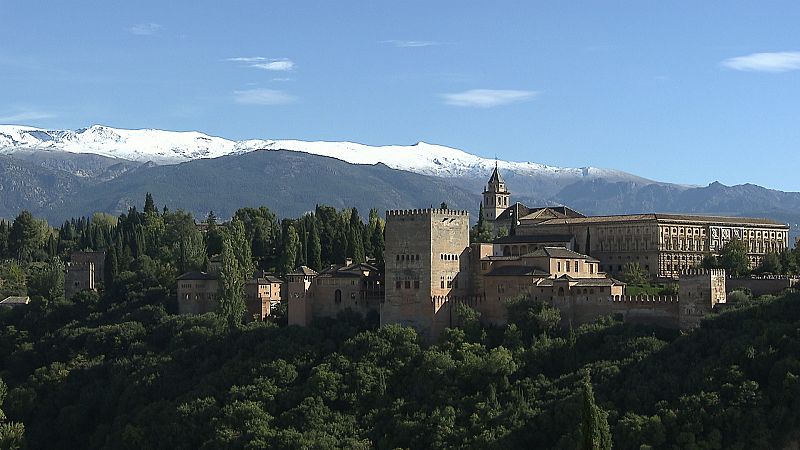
x,y
337,296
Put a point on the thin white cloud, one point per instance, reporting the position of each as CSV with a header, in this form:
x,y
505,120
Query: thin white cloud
x,y
20,117
260,62
262,97
411,44
765,62
487,98
145,29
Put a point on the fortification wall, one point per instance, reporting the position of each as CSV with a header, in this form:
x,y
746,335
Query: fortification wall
x,y
654,310
773,285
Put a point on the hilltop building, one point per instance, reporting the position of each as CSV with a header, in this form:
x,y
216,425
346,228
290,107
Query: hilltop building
x,y
312,295
84,272
198,292
664,245
554,255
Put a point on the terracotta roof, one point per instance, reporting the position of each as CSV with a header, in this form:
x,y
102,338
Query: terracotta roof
x,y
304,271
197,275
533,239
351,270
264,280
516,271
558,252
511,211
663,217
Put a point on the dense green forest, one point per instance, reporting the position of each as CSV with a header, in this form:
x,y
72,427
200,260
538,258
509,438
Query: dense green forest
x,y
120,370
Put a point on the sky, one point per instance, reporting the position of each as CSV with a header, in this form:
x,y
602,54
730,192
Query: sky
x,y
682,91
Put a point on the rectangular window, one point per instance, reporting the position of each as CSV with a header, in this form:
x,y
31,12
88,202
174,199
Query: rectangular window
x,y
576,266
558,266
568,265
397,285
416,284
408,284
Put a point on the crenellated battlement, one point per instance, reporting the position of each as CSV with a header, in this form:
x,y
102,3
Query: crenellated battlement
x,y
425,212
645,299
701,273
581,299
470,300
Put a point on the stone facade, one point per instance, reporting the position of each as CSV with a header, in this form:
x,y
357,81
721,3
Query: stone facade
x,y
765,284
427,268
261,293
197,293
664,245
354,286
84,272
700,292
554,275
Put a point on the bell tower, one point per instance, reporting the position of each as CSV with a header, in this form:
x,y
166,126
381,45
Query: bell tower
x,y
495,198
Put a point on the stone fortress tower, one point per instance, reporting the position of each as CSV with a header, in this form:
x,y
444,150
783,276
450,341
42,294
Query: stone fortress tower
x,y
427,268
495,198
700,290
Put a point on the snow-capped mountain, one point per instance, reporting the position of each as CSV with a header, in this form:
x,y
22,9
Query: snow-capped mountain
x,y
170,147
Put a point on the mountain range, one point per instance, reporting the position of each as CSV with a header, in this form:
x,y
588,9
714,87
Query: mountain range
x,y
59,174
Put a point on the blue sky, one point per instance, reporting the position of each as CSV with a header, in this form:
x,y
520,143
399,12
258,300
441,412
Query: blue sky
x,y
682,91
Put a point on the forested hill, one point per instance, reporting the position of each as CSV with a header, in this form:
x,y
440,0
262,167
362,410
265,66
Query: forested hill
x,y
125,373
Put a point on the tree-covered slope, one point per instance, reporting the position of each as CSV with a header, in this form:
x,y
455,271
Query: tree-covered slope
x,y
124,373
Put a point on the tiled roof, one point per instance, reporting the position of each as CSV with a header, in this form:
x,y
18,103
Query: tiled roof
x,y
533,239
264,280
304,271
197,275
559,252
662,217
516,271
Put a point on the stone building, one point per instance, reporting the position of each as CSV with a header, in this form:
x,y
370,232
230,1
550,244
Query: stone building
x,y
197,292
355,286
427,268
664,245
548,274
261,292
84,272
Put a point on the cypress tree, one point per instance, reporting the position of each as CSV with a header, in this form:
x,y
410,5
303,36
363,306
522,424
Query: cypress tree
x,y
314,247
378,244
355,240
595,434
149,205
231,304
289,252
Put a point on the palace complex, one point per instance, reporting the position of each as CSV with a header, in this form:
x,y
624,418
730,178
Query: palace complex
x,y
553,254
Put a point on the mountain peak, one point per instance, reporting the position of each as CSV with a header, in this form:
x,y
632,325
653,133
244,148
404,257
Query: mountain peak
x,y
171,147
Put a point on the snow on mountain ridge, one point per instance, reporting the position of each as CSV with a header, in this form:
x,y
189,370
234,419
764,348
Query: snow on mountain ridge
x,y
170,147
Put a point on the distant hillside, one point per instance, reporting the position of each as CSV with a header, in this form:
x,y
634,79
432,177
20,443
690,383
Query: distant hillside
x,y
289,183
746,200
58,185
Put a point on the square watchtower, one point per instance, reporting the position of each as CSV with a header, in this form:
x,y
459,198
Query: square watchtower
x,y
427,268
